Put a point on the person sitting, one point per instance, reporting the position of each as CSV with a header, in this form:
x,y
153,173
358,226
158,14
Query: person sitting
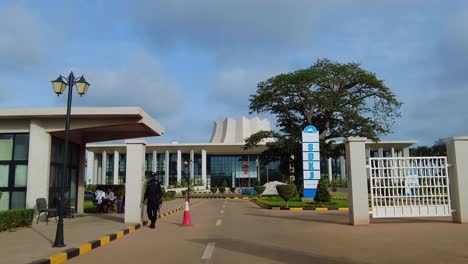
x,y
102,201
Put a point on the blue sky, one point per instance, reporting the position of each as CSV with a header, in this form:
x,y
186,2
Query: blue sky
x,y
189,63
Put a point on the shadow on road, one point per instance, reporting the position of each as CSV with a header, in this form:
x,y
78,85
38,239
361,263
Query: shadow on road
x,y
110,217
271,252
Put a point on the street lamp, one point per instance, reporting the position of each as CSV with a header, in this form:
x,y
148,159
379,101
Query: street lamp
x,y
59,85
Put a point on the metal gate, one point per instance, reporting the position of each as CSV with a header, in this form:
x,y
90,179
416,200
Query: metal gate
x,y
409,187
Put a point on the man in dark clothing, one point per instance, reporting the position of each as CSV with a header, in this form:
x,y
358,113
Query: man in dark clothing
x,y
154,195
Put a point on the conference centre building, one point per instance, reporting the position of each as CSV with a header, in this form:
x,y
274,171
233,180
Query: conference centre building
x,y
32,145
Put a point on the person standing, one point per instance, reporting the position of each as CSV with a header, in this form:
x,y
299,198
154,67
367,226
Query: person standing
x,y
154,195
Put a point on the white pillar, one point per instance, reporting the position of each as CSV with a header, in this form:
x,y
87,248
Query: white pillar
x,y
203,167
104,168
381,152
406,152
192,164
89,167
357,181
343,167
400,153
96,170
116,167
393,152
179,166
166,167
368,153
155,161
134,181
457,154
81,180
38,164
330,168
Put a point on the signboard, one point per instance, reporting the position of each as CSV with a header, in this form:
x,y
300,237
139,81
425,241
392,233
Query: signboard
x,y
411,183
310,160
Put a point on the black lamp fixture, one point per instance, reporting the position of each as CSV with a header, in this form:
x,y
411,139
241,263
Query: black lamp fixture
x,y
59,85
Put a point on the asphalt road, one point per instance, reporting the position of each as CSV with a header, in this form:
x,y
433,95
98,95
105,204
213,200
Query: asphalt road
x,y
237,231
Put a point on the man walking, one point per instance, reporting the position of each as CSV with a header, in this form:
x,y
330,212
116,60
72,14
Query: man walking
x,y
154,195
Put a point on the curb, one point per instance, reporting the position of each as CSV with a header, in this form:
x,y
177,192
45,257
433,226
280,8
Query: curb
x,y
300,208
86,247
220,197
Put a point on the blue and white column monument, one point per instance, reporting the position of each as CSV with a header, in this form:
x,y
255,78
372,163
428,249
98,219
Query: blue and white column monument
x,y
311,161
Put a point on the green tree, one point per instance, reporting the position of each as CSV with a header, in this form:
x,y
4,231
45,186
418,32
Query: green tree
x,y
259,189
286,192
340,100
438,149
322,194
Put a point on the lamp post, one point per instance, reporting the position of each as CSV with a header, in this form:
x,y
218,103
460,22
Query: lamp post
x,y
59,85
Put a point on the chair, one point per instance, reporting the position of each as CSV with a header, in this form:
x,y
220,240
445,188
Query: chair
x,y
41,204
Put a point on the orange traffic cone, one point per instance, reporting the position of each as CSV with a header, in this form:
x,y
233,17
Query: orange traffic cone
x,y
186,221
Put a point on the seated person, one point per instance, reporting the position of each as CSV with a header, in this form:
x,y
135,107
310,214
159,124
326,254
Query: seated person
x,y
100,197
111,196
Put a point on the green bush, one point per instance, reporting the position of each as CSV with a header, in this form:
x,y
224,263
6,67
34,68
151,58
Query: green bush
x,y
184,192
171,195
286,192
91,187
213,189
322,194
222,189
259,189
15,218
233,189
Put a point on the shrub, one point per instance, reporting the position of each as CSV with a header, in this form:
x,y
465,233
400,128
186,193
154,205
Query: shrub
x,y
213,189
259,189
171,195
15,218
286,192
91,187
222,189
233,189
184,192
322,194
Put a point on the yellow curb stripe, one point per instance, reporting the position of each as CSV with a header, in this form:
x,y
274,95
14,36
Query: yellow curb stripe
x,y
295,209
105,240
120,234
58,258
245,198
343,209
235,198
85,248
321,209
131,229
276,208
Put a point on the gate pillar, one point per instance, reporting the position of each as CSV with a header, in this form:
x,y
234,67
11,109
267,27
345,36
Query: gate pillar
x,y
134,183
358,198
457,155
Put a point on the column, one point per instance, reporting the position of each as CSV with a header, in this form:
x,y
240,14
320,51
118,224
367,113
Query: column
x,y
343,167
89,167
381,153
357,181
96,170
457,154
192,164
400,153
203,167
134,181
166,168
81,181
116,167
393,152
155,162
179,166
406,152
104,168
38,164
330,170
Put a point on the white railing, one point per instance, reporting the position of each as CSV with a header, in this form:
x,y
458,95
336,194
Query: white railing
x,y
409,187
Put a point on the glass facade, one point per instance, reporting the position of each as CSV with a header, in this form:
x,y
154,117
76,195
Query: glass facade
x,y
172,168
110,169
122,167
237,170
14,151
161,167
57,175
148,165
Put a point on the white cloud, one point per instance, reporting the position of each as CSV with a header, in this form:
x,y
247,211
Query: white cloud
x,y
140,82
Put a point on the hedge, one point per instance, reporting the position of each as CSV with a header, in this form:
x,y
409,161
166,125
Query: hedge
x,y
171,194
15,218
259,189
286,192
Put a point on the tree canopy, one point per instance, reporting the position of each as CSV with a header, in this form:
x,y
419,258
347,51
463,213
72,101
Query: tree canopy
x,y
340,100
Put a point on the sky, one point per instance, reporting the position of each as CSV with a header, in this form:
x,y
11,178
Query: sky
x,y
189,63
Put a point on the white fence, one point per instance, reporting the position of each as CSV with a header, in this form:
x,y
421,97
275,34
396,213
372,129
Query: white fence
x,y
409,187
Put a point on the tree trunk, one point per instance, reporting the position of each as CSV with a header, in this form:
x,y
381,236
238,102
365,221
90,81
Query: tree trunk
x,y
287,204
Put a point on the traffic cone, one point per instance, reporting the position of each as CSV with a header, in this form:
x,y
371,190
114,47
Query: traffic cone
x,y
186,221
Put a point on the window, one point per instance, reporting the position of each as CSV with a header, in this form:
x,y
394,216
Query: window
x,y
14,151
161,168
237,170
122,167
110,169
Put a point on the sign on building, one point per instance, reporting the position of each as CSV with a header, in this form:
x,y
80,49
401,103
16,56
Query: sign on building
x,y
311,160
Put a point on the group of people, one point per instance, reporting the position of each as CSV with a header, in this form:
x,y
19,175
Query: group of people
x,y
153,195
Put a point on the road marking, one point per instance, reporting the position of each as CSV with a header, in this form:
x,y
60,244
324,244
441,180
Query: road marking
x,y
218,223
224,206
208,251
222,211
